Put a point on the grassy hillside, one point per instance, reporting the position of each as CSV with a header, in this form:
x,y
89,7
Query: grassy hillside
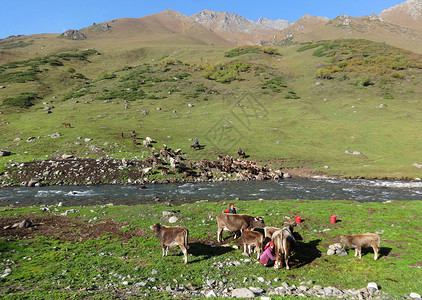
x,y
303,105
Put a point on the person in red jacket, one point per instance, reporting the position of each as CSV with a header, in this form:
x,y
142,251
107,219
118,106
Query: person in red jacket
x,y
267,258
231,209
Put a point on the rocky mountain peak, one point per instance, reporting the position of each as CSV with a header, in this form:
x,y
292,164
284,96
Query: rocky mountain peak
x,y
412,8
274,24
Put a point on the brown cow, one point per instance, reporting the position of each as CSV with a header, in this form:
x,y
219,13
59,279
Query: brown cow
x,y
171,237
251,237
364,240
235,222
284,243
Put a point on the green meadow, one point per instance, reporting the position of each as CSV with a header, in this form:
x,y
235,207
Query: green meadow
x,y
295,106
84,260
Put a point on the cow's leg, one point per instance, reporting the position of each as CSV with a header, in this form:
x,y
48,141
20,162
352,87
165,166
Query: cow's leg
x,y
286,259
249,249
220,234
360,252
164,250
185,253
356,251
375,252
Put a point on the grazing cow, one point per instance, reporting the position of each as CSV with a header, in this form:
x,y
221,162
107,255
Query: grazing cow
x,y
364,240
145,143
67,125
241,153
251,237
171,237
284,243
236,222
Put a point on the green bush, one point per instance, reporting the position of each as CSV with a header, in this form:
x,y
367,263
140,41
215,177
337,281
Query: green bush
x,y
19,77
23,100
388,96
291,95
226,73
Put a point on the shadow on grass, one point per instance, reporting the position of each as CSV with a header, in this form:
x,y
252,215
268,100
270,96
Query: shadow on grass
x,y
203,251
305,253
383,251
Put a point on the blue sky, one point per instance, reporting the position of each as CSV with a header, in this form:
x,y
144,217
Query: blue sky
x,y
48,16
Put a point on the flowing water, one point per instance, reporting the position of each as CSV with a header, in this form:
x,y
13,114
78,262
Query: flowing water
x,y
295,188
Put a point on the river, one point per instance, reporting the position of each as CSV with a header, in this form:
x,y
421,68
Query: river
x,y
294,188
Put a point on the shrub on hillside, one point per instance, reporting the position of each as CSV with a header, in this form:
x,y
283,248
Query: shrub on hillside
x,y
226,73
250,49
23,100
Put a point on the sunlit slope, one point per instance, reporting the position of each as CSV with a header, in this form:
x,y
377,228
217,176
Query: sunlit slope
x,y
307,105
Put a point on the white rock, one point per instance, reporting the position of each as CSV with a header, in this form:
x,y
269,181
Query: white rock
x,y
256,290
415,296
173,219
242,293
372,287
210,294
331,252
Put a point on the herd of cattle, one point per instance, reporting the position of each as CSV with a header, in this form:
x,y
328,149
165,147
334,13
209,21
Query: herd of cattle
x,y
283,238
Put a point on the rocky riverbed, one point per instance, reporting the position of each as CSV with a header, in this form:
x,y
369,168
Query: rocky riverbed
x,y
160,167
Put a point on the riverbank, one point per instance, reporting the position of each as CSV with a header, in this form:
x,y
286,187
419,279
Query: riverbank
x,y
83,251
73,171
160,167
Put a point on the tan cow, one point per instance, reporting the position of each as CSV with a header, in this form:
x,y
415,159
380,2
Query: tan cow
x,y
284,243
237,222
269,231
364,240
251,237
172,237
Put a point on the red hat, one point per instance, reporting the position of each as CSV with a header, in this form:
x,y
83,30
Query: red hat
x,y
270,243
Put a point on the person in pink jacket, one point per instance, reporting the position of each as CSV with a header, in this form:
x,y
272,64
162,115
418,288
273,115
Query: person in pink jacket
x,y
267,258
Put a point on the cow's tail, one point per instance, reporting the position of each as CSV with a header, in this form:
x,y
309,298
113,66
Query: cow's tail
x,y
186,238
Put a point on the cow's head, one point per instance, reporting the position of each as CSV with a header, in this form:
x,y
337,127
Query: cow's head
x,y
259,222
156,228
290,225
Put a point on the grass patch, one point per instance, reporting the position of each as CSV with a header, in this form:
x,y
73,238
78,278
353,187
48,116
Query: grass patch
x,y
93,257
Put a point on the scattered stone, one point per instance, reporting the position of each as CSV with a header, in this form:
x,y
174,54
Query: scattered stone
x,y
415,296
372,287
242,293
25,224
33,181
30,139
173,219
419,166
256,290
210,294
56,135
210,282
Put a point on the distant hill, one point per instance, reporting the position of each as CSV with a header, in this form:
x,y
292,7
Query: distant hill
x,y
400,26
